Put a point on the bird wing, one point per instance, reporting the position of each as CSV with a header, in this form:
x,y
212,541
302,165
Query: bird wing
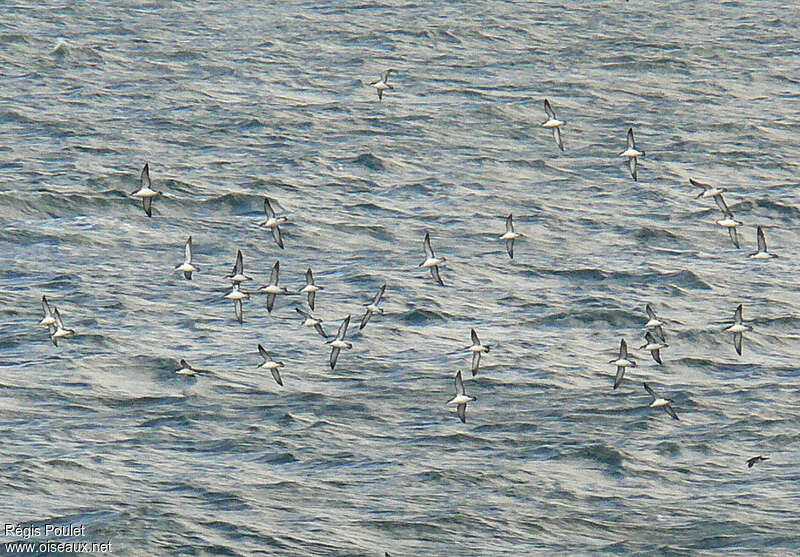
x,y
343,328
188,250
276,375
276,233
671,411
700,184
264,353
304,313
46,307
237,306
427,245
737,316
270,302
435,273
630,141
238,267
311,297
334,356
459,384
476,361
650,313
632,166
737,342
623,349
57,317
619,376
651,391
147,205
365,319
273,277
762,240
144,177
309,276
474,336
722,205
734,236
462,413
268,210
510,223
549,110
379,295
657,356
510,247
557,137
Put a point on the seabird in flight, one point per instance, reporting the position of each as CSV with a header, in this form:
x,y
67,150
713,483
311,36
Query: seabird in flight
x,y
553,123
461,399
431,261
622,362
632,153
372,307
146,192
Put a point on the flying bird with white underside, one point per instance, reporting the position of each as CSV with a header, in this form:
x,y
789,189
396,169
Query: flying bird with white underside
x,y
48,318
632,154
708,190
431,261
310,288
510,235
461,399
382,84
187,266
654,322
476,348
270,364
57,330
622,361
659,402
762,252
372,307
338,343
728,221
189,370
311,321
146,192
237,296
272,289
654,346
553,123
273,222
237,274
737,329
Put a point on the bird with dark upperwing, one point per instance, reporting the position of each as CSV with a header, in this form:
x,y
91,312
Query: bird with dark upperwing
x,y
372,307
622,361
272,289
553,123
461,399
338,343
431,261
146,192
273,222
632,154
382,84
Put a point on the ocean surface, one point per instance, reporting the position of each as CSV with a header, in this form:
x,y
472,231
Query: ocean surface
x,y
231,101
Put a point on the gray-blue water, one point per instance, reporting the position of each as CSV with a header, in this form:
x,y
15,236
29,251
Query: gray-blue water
x,y
232,101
